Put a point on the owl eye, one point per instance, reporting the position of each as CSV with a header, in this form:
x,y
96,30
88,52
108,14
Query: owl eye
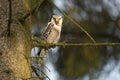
x,y
60,18
54,18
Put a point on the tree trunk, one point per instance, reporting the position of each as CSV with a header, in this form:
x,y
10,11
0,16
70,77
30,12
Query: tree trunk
x,y
16,47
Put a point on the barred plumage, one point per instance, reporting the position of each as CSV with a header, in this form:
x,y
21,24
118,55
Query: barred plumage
x,y
52,32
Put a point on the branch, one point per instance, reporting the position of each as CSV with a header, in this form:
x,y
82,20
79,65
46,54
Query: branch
x,y
74,22
48,45
44,44
10,16
38,76
35,71
25,16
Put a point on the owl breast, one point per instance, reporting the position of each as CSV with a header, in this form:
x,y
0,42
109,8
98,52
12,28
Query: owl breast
x,y
54,36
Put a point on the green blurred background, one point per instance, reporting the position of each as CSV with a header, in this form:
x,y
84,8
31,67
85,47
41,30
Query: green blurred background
x,y
101,18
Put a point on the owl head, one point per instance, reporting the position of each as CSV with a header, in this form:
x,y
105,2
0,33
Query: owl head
x,y
58,20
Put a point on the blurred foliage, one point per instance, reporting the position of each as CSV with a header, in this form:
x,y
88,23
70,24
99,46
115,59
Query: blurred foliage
x,y
98,18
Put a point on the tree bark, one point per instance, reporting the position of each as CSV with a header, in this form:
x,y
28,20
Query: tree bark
x,y
16,47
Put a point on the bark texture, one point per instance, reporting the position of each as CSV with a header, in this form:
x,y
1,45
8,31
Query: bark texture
x,y
14,49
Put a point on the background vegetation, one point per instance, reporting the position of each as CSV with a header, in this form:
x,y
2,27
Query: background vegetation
x,y
89,44
98,17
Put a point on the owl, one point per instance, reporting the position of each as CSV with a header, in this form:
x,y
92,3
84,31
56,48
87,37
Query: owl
x,y
51,33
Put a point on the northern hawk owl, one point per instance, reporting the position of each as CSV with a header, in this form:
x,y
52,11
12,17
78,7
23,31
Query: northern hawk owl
x,y
52,32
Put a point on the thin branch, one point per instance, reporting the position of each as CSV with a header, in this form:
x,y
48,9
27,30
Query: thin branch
x,y
43,72
74,22
48,45
35,57
41,43
10,16
34,69
25,16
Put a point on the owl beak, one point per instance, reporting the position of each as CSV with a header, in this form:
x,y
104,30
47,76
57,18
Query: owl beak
x,y
57,21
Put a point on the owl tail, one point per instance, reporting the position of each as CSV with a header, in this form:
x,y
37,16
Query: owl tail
x,y
43,53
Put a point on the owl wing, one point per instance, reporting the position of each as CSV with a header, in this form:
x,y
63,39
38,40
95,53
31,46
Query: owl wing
x,y
47,31
45,35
